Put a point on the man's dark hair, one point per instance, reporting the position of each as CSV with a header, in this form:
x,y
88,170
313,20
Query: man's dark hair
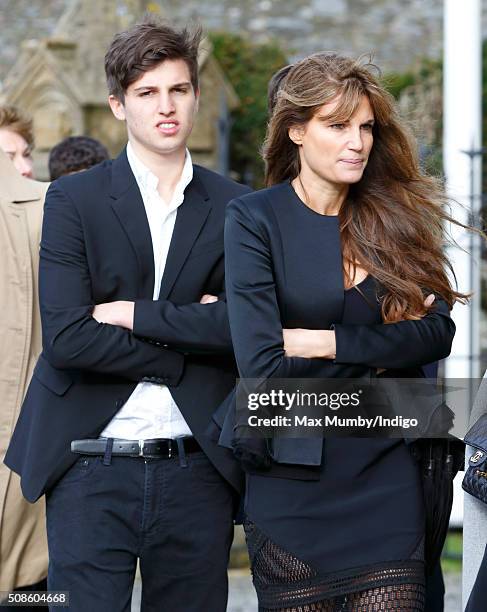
x,y
74,154
144,46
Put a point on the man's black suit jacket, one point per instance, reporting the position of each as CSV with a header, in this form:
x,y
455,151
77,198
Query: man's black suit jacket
x,y
96,247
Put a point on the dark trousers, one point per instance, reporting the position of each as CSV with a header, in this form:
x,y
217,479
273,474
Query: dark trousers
x,y
175,516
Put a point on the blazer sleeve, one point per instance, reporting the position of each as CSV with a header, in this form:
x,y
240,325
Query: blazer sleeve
x,y
397,345
253,310
72,338
194,328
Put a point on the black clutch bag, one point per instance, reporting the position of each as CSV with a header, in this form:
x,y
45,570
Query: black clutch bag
x,y
475,480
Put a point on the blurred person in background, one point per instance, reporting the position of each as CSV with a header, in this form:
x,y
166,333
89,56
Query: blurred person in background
x,y
23,542
74,154
17,139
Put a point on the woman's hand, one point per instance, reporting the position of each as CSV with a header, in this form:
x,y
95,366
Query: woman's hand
x,y
309,343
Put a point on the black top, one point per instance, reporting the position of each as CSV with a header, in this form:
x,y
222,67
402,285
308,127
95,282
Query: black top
x,y
367,506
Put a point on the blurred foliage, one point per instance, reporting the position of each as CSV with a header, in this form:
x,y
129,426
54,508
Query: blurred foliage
x,y
451,558
396,82
431,153
248,66
432,160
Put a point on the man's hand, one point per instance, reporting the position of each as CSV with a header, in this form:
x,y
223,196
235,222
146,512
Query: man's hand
x,y
208,299
119,313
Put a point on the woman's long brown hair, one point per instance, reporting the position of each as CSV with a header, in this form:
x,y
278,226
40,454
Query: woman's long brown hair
x,y
392,222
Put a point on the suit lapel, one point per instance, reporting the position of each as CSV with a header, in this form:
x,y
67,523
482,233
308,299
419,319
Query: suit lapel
x,y
129,209
191,216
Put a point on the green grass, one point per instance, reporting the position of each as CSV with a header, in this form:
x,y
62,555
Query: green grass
x,y
451,559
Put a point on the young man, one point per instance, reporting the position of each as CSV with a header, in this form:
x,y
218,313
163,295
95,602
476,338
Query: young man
x,y
133,363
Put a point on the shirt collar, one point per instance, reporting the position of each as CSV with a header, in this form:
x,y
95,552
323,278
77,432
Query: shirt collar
x,y
148,181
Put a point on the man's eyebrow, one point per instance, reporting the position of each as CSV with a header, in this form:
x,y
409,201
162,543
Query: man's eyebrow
x,y
182,84
145,87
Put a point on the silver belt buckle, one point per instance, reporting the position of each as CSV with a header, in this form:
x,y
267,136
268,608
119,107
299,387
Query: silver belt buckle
x,y
141,448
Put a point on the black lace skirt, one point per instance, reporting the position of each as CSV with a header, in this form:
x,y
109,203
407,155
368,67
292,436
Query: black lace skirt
x,y
284,583
352,540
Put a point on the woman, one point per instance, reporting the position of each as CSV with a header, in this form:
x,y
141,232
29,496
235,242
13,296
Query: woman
x,y
347,237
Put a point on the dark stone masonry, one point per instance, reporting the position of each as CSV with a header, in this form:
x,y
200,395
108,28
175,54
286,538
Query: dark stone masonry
x,y
397,33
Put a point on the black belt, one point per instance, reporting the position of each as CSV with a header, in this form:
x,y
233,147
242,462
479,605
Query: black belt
x,y
160,448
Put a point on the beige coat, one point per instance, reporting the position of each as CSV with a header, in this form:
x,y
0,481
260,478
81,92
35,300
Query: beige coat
x,y
23,545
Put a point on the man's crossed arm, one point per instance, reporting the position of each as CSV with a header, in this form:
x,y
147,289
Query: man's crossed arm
x,y
199,327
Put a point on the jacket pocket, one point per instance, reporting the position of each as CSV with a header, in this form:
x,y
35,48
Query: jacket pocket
x,y
297,451
55,380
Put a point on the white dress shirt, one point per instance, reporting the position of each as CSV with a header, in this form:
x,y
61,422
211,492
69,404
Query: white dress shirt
x,y
150,412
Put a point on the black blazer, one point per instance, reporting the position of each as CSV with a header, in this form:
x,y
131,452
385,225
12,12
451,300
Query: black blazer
x,y
96,247
284,270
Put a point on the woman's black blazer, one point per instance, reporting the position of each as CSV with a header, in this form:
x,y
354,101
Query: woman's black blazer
x,y
276,277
